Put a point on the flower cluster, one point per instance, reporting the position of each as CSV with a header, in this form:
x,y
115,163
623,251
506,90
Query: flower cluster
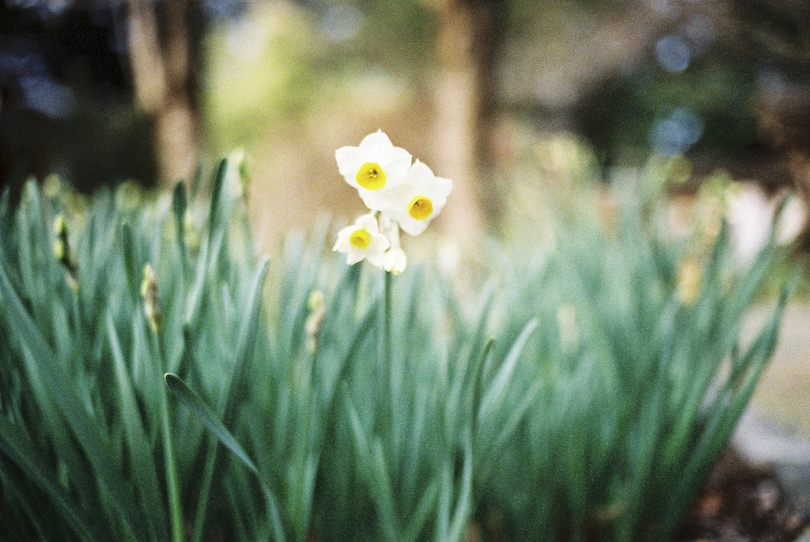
x,y
399,192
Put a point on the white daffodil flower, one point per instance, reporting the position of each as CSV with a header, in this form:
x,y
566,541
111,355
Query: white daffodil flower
x,y
417,199
373,167
362,240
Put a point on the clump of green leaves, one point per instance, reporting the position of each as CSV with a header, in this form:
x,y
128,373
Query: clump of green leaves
x,y
302,399
643,376
91,449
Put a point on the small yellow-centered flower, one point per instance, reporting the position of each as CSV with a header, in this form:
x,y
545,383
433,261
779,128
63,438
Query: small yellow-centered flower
x,y
373,167
362,240
417,199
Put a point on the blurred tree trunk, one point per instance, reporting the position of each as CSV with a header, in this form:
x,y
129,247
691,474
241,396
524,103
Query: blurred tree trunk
x,y
162,51
469,39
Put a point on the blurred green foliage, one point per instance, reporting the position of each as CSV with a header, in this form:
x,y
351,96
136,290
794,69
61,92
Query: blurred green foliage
x,y
318,400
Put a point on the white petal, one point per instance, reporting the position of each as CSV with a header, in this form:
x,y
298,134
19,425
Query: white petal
x,y
375,200
342,244
420,171
440,189
355,255
425,183
367,222
349,160
395,163
376,142
376,249
412,226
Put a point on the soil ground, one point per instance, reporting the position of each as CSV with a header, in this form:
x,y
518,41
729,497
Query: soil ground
x,y
743,502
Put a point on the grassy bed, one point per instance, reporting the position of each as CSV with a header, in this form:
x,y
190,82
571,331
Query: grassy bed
x,y
162,381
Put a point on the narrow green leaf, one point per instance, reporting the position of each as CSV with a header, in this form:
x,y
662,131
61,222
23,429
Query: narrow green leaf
x,y
22,452
246,342
445,501
363,330
380,479
216,195
180,204
89,434
478,383
141,454
500,383
375,474
422,512
131,265
515,416
727,410
196,295
464,503
206,416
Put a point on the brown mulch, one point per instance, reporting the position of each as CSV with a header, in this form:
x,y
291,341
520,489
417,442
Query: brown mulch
x,y
742,503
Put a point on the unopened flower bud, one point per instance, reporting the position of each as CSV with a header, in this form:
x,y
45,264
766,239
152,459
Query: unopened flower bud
x,y
316,304
395,261
151,298
62,251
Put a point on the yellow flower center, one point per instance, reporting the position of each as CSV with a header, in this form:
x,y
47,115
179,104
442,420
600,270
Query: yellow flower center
x,y
360,239
371,176
420,208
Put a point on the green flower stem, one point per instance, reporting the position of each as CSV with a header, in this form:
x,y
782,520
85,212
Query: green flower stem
x,y
386,343
387,320
175,510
